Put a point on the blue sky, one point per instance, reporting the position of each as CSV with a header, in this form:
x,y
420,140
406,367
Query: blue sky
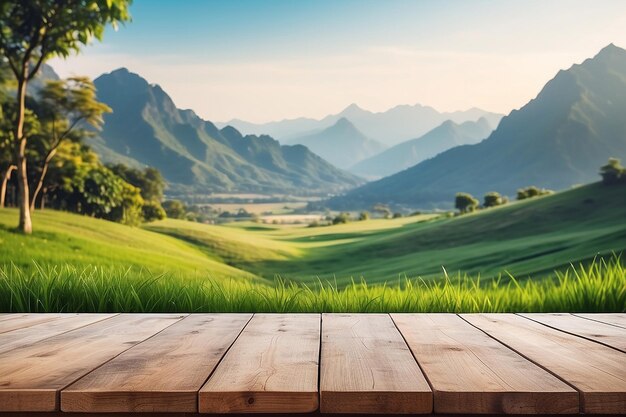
x,y
268,60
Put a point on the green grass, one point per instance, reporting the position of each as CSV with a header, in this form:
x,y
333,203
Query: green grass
x,y
74,263
530,238
597,287
64,238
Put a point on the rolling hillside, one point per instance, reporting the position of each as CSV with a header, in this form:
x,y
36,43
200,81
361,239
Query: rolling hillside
x,y
557,140
341,144
409,153
527,238
194,155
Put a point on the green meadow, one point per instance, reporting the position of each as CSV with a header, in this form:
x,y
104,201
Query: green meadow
x,y
555,253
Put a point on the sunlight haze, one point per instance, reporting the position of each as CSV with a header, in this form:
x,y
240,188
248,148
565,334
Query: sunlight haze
x,y
281,59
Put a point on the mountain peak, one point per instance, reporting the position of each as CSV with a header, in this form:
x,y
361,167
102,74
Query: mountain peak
x,y
352,107
344,123
611,49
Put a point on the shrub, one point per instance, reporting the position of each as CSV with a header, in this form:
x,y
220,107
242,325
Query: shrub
x,y
465,203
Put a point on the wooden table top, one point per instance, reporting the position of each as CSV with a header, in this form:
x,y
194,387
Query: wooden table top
x,y
81,364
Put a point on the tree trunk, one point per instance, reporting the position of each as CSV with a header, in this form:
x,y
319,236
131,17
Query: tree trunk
x,y
25,225
3,188
44,171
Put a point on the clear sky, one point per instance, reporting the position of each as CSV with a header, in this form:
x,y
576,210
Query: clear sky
x,y
275,59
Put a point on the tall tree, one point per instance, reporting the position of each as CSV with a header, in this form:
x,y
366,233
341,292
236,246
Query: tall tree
x,y
32,31
65,107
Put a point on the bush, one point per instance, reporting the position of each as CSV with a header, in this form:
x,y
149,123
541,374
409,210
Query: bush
x,y
341,218
364,215
152,211
613,172
465,203
175,209
493,199
531,192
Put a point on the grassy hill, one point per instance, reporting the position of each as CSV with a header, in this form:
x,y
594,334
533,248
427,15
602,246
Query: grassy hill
x,y
531,237
528,238
64,238
74,263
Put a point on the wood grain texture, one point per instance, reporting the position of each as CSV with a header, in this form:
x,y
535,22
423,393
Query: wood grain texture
x,y
617,319
470,372
31,376
37,332
271,368
366,367
598,372
589,329
162,374
12,322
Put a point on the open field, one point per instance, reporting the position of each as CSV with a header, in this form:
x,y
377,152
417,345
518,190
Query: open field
x,y
528,238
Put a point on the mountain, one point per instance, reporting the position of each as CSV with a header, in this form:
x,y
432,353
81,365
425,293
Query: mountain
x,y
406,154
341,144
557,140
391,127
146,128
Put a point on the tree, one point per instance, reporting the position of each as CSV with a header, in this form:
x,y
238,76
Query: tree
x,y
150,183
493,199
364,215
465,203
613,172
65,106
341,218
31,32
175,209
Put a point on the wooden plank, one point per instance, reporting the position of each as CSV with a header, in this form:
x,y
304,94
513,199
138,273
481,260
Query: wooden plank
x,y
471,373
18,321
366,367
162,374
617,319
31,376
35,333
271,368
598,372
589,329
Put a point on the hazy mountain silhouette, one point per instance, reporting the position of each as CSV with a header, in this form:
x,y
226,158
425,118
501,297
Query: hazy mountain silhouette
x,y
193,154
390,127
406,154
557,140
341,144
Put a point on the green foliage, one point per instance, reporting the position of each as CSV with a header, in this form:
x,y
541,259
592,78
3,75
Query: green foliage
x,y
532,192
598,287
364,215
150,184
465,203
175,209
493,199
152,211
341,218
613,172
78,182
41,29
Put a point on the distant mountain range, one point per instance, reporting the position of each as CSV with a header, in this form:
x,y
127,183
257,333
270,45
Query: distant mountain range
x,y
341,144
557,140
146,128
406,154
391,127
